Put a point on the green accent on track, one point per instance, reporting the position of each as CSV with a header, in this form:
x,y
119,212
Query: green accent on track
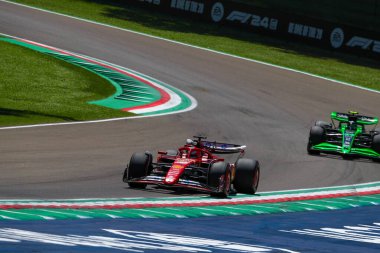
x,y
325,190
192,212
185,100
130,92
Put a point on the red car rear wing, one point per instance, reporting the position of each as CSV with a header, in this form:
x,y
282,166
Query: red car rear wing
x,y
223,148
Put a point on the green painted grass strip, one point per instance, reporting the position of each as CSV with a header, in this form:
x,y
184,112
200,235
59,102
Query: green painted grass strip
x,y
354,188
192,212
113,77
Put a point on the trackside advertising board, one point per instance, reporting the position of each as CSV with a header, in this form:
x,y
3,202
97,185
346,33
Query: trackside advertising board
x,y
335,37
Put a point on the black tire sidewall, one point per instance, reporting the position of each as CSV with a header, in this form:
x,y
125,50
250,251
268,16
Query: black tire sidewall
x,y
376,143
139,166
217,170
316,135
244,181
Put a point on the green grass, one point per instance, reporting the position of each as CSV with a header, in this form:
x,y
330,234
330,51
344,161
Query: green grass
x,y
352,69
38,88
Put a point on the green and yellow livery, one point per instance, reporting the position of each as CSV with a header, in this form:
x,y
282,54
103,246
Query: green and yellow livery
x,y
346,135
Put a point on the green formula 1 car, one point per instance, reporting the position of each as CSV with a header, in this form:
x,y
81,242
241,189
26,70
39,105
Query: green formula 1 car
x,y
347,136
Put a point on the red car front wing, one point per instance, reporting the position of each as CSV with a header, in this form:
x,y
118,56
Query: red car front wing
x,y
181,183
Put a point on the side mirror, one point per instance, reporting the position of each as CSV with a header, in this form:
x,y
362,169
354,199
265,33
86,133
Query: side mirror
x,y
162,152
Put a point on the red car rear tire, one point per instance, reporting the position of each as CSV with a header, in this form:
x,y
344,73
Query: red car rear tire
x,y
247,176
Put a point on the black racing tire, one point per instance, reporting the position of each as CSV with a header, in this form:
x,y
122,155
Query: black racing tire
x,y
217,170
139,166
377,131
247,176
376,146
311,151
125,175
376,143
323,124
316,136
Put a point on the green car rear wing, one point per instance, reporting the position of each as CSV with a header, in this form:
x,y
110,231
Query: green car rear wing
x,y
360,119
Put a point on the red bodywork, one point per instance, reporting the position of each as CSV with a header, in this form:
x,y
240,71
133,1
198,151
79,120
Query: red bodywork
x,y
189,166
186,157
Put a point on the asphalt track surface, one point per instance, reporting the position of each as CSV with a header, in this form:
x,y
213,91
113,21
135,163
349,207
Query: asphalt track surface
x,y
268,109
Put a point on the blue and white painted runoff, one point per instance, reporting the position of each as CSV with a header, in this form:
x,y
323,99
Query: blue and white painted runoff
x,y
348,230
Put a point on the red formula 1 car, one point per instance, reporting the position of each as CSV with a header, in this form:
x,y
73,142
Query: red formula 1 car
x,y
195,166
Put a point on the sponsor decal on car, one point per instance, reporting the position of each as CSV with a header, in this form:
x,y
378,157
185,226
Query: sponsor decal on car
x,y
183,161
189,182
348,138
341,115
177,166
